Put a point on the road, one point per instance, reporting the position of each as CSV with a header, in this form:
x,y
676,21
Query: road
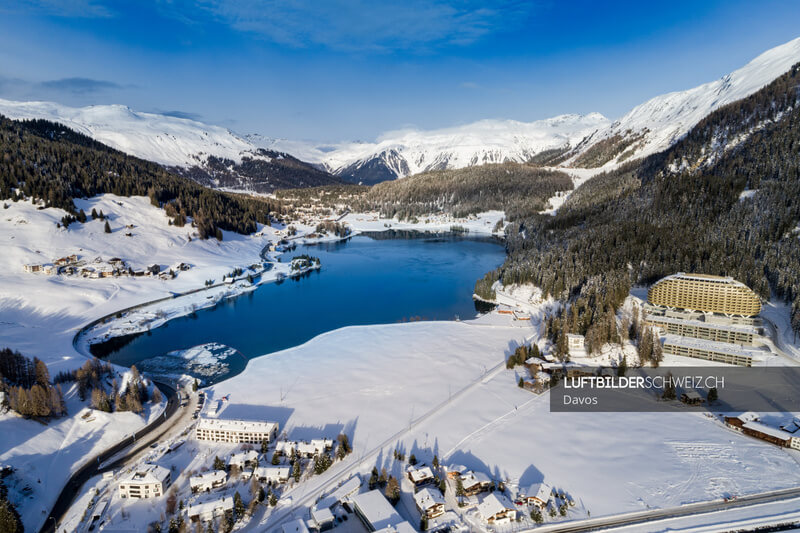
x,y
595,524
142,439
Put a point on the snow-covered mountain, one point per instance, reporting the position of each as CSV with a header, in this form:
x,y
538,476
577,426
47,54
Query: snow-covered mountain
x,y
658,123
211,155
401,153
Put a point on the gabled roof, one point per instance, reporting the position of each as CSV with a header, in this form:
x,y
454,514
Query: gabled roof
x,y
419,474
494,503
427,498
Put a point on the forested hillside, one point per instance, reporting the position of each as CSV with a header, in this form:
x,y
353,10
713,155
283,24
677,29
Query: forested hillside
x,y
47,161
683,210
518,189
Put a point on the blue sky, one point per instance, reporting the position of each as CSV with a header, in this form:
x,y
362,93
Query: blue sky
x,y
345,70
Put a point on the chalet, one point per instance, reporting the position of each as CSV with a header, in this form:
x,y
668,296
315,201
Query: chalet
x,y
475,483
430,502
538,494
153,269
496,508
243,459
749,424
737,422
420,476
32,268
375,511
272,474
148,482
456,471
307,449
692,398
211,510
64,261
208,481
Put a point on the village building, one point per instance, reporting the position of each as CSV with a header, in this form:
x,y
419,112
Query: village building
x,y
575,342
420,476
322,518
148,482
306,450
208,481
496,508
475,483
235,431
375,511
430,502
692,398
709,350
538,494
749,424
244,459
456,471
729,333
272,474
211,510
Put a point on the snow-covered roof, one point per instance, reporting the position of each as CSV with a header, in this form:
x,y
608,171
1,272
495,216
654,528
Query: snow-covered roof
x,y
768,430
212,476
713,346
243,457
470,479
376,509
494,503
737,328
420,474
427,498
272,472
211,507
147,475
322,515
295,526
540,491
250,426
402,527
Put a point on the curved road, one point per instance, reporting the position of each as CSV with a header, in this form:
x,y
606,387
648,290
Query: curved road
x,y
95,465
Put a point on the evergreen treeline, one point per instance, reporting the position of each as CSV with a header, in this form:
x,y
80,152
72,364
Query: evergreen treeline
x,y
27,384
47,161
10,521
518,189
681,210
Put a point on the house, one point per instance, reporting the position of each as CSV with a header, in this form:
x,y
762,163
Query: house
x,y
519,315
420,476
374,510
307,450
692,398
272,474
243,459
475,483
430,502
322,518
235,431
456,471
211,510
575,342
153,269
737,422
148,482
496,508
32,268
208,481
538,494
749,424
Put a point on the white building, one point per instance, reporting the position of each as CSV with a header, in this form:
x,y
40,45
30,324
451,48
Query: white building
x,y
210,510
375,511
307,450
430,502
208,481
243,459
274,474
322,518
236,431
148,482
496,508
575,342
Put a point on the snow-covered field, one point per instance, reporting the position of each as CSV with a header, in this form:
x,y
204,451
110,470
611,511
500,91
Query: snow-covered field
x,y
609,462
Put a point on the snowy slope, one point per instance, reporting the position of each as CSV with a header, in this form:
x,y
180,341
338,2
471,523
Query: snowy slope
x,y
407,152
663,120
164,139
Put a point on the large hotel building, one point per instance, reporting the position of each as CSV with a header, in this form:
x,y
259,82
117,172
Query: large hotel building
x,y
703,292
706,317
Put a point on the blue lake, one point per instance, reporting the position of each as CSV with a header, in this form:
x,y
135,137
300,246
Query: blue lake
x,y
368,279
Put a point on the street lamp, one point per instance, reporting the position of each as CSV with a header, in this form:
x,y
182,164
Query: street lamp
x,y
55,524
